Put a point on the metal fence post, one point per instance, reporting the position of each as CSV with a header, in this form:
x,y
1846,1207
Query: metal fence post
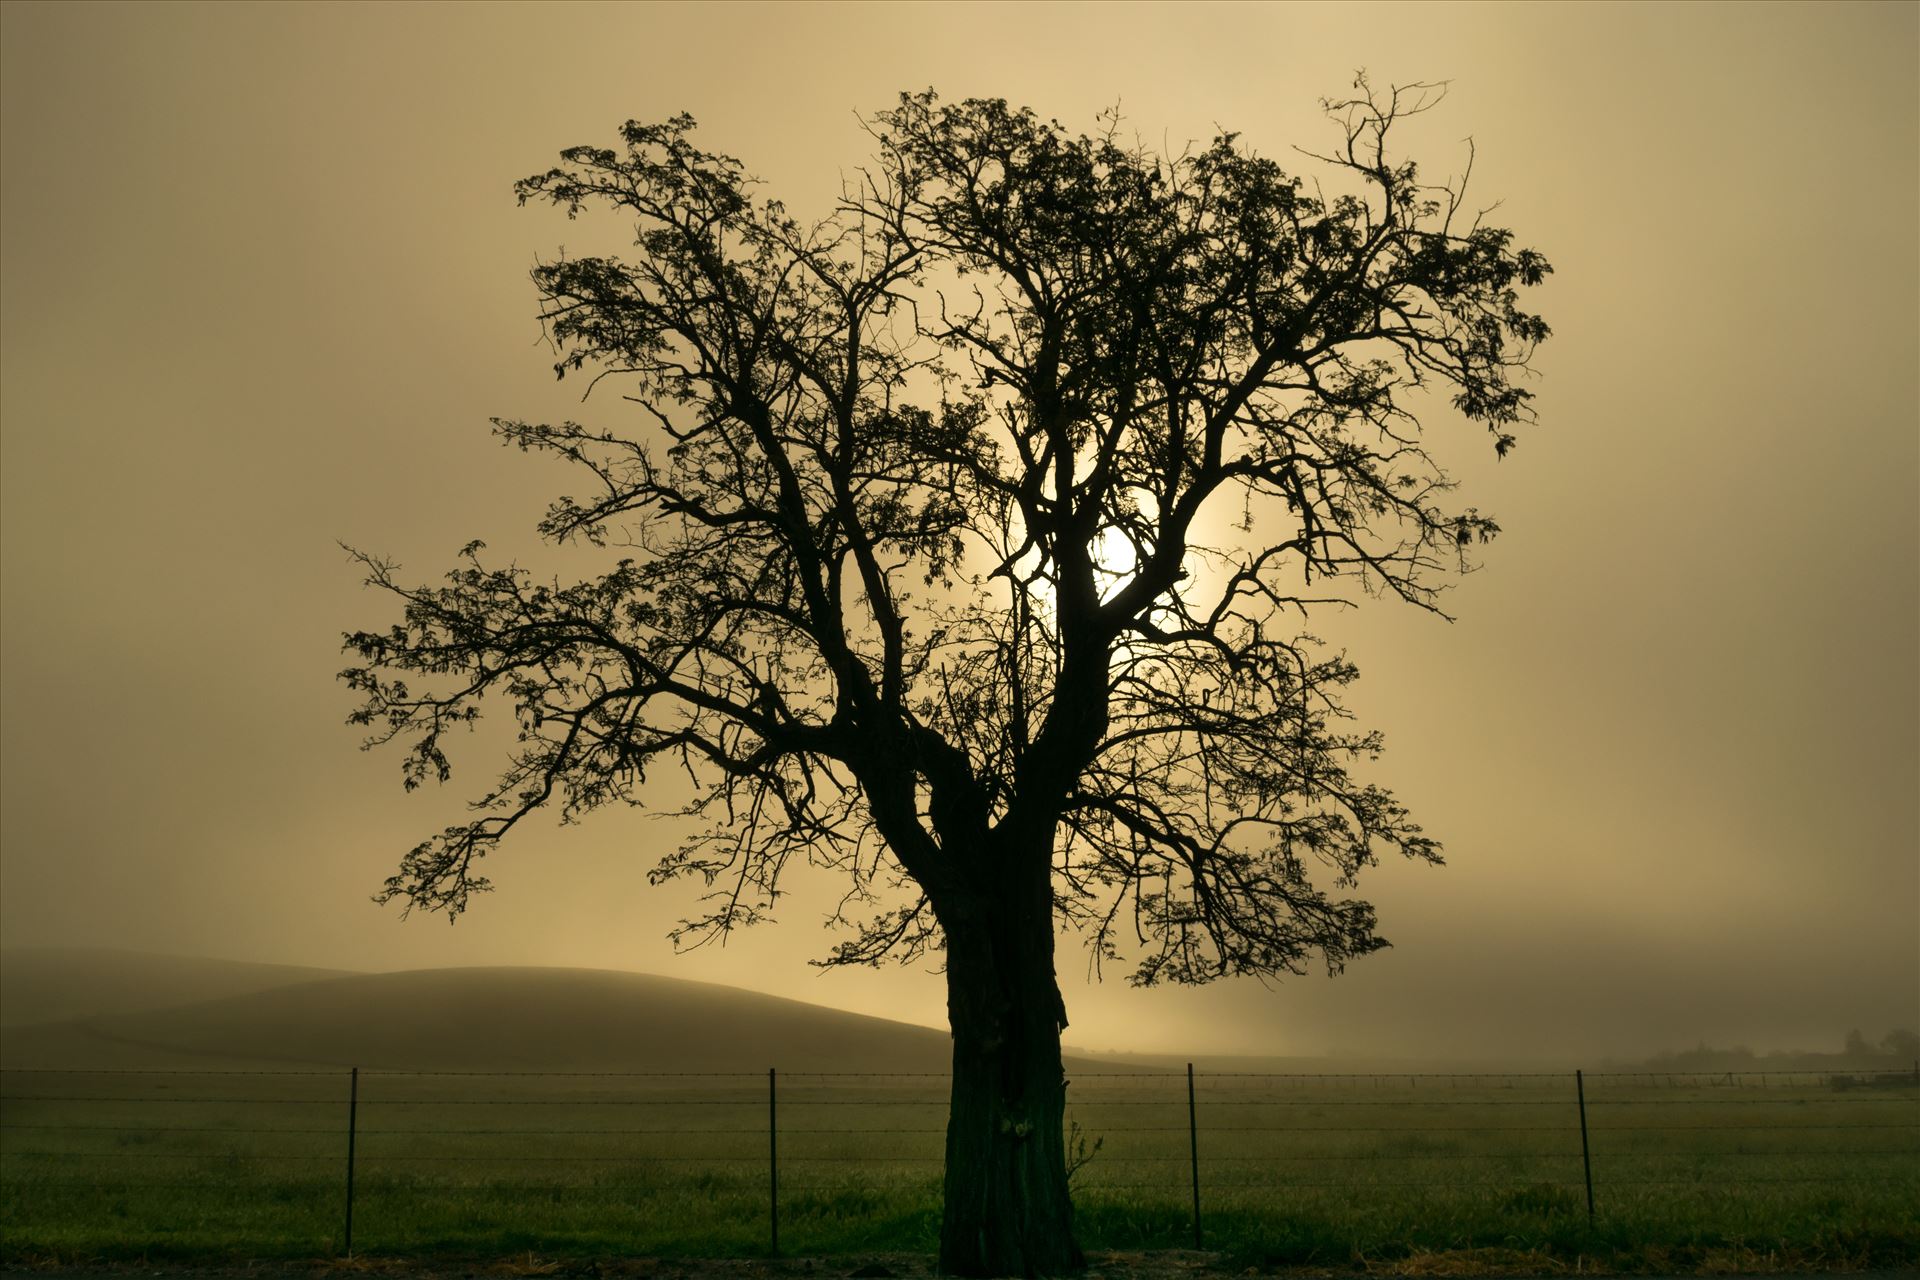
x,y
773,1164
353,1124
1586,1155
1193,1147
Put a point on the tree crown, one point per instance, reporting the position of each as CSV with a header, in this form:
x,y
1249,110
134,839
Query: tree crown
x,y
910,560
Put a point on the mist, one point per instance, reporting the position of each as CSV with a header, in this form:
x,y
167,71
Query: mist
x,y
265,284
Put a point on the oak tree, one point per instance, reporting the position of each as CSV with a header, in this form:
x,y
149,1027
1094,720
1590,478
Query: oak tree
x,y
964,542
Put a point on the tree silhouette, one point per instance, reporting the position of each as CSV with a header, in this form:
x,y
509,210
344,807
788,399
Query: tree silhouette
x,y
915,554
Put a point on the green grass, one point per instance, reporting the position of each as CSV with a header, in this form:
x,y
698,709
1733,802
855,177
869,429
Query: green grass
x,y
1294,1170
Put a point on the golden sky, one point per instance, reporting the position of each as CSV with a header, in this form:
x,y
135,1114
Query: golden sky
x,y
264,282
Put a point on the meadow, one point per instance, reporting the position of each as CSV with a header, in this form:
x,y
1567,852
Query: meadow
x,y
1292,1169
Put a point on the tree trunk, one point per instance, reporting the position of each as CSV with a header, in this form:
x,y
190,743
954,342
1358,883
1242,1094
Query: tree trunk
x,y
1007,1212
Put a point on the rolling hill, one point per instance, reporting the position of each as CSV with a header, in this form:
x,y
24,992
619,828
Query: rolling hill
x,y
522,1019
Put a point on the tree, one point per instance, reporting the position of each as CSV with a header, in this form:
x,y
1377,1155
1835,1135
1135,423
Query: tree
x,y
908,555
1901,1045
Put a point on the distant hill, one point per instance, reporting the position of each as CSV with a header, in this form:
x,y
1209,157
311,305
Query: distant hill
x,y
524,1019
49,984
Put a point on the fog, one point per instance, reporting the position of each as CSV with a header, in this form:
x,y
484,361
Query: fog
x,y
265,283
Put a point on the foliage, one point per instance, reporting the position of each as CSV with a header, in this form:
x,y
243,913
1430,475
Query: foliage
x,y
915,551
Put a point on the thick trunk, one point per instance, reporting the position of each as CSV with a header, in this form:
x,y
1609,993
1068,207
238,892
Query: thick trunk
x,y
1007,1211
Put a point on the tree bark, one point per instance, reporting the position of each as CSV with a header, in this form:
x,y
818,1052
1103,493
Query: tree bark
x,y
1007,1212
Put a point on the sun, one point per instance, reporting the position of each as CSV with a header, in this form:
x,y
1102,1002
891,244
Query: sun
x,y
1114,560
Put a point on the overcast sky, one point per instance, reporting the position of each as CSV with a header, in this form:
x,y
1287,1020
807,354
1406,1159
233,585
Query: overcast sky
x,y
265,282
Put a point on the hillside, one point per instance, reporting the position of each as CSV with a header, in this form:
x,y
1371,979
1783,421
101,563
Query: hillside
x,y
49,984
490,1019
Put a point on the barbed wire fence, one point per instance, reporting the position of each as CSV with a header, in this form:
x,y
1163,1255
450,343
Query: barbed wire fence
x,y
299,1151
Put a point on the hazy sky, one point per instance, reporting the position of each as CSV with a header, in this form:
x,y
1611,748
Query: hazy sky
x,y
265,282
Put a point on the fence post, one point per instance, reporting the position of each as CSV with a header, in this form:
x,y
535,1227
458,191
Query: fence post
x,y
773,1164
1586,1155
353,1124
1193,1147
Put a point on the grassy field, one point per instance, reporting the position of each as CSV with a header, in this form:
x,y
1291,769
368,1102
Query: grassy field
x,y
1292,1169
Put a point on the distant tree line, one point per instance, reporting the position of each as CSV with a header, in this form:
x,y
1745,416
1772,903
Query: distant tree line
x,y
1898,1048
